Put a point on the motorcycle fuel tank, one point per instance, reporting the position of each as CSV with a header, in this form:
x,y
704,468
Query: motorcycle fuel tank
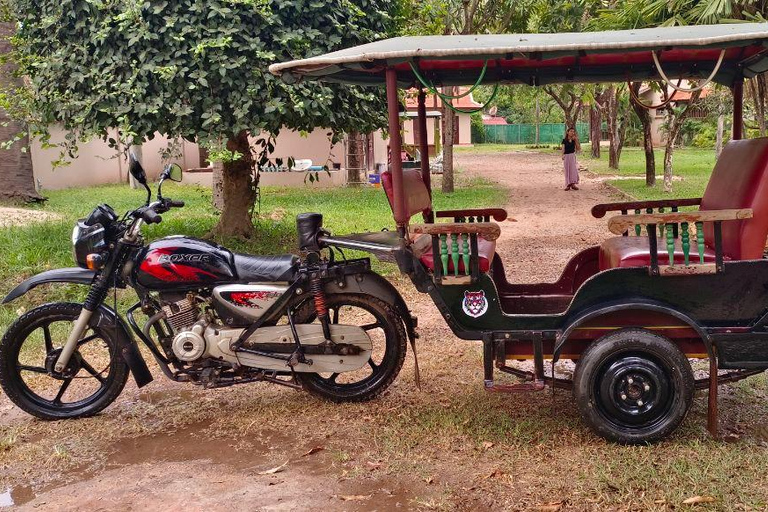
x,y
179,262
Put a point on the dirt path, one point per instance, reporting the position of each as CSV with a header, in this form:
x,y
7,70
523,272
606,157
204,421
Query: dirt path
x,y
21,216
448,446
547,225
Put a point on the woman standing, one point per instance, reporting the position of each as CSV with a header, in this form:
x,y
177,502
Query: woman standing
x,y
570,147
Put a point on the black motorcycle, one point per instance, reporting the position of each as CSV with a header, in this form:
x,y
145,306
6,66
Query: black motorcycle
x,y
211,317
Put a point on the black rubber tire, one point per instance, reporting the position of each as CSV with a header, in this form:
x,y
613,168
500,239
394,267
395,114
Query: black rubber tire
x,y
20,394
396,346
610,381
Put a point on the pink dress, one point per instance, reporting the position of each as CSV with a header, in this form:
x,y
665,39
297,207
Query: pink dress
x,y
569,163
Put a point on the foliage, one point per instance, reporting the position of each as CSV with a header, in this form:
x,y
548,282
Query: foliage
x,y
191,68
478,128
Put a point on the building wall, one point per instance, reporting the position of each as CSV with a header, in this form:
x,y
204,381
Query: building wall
x,y
98,164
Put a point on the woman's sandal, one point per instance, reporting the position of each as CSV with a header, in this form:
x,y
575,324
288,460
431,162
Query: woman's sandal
x,y
574,187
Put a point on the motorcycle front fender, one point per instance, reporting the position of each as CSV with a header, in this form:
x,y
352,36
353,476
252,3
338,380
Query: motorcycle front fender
x,y
107,317
74,275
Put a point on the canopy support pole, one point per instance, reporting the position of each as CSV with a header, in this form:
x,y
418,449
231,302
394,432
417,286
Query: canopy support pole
x,y
738,109
424,148
395,152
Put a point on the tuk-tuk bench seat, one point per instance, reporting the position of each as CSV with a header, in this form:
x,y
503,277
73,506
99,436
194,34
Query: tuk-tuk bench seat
x,y
486,250
739,182
418,200
634,251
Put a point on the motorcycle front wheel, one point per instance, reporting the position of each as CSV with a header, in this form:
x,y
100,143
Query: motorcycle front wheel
x,y
383,326
93,378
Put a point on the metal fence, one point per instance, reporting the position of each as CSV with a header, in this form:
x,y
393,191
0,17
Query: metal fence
x,y
526,133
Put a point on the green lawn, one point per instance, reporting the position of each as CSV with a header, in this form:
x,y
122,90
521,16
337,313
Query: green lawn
x,y
693,165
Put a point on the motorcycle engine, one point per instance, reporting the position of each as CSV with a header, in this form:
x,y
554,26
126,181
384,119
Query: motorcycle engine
x,y
188,326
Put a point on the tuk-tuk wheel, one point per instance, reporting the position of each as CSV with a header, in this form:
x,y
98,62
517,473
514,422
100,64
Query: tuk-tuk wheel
x,y
633,386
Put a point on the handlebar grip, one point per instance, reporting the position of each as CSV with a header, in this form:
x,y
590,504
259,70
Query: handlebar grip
x,y
175,204
151,217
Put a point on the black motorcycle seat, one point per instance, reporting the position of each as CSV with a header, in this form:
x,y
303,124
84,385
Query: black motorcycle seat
x,y
266,268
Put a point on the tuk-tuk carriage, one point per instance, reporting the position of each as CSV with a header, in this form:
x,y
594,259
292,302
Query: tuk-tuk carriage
x,y
671,284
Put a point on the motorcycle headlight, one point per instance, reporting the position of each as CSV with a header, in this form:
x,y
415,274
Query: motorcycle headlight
x,y
87,240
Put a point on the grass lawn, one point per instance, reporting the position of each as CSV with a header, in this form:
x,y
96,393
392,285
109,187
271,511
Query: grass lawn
x,y
693,165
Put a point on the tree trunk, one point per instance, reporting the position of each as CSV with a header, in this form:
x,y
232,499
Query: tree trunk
x,y
448,148
17,181
757,88
217,185
538,122
645,120
668,149
719,140
238,193
595,128
612,111
355,157
675,125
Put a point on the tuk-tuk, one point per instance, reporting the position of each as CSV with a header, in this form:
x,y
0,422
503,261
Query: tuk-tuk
x,y
678,280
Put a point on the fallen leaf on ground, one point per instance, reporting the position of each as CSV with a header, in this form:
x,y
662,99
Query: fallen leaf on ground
x,y
698,499
429,480
274,470
314,450
487,444
356,497
496,473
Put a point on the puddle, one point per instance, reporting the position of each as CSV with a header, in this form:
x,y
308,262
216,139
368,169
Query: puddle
x,y
16,496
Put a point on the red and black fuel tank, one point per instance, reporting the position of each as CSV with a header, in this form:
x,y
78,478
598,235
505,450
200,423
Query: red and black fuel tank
x,y
182,262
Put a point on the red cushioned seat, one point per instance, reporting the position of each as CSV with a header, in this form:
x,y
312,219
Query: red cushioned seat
x,y
418,200
486,250
739,180
633,251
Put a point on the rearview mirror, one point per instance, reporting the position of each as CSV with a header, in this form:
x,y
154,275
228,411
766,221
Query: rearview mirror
x,y
136,170
175,172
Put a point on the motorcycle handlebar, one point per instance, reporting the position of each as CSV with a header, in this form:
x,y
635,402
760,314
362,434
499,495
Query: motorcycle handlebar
x,y
151,217
175,204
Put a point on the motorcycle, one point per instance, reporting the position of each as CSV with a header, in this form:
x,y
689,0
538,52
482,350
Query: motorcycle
x,y
213,317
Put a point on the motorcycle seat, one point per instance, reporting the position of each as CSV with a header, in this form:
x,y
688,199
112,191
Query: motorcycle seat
x,y
265,268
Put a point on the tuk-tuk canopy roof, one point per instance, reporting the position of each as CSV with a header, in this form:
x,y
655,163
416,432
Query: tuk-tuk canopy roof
x,y
688,52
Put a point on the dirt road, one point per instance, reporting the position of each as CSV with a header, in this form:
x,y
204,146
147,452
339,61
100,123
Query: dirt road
x,y
548,224
448,446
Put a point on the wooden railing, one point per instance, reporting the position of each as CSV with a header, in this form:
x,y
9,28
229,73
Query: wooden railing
x,y
455,244
666,227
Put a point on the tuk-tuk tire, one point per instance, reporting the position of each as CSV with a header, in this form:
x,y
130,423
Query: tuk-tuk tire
x,y
633,386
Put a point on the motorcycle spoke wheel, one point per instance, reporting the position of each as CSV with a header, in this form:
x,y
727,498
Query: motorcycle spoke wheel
x,y
388,339
92,379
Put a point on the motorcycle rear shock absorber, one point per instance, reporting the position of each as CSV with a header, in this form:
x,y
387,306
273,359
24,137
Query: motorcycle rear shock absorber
x,y
321,307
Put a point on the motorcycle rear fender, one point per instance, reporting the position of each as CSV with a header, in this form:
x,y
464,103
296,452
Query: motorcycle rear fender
x,y
370,283
60,275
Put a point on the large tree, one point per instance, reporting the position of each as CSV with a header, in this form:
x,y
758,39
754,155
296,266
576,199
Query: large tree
x,y
196,69
17,182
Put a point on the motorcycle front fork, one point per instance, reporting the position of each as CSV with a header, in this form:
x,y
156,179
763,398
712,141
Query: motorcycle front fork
x,y
81,324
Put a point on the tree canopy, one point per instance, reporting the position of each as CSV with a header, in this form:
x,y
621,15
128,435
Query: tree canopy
x,y
192,68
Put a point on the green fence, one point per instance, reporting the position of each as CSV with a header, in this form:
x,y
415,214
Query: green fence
x,y
526,133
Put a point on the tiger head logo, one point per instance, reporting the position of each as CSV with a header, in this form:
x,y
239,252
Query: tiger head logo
x,y
475,304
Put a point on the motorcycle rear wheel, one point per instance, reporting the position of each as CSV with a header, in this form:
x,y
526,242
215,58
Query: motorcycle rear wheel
x,y
385,328
93,379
